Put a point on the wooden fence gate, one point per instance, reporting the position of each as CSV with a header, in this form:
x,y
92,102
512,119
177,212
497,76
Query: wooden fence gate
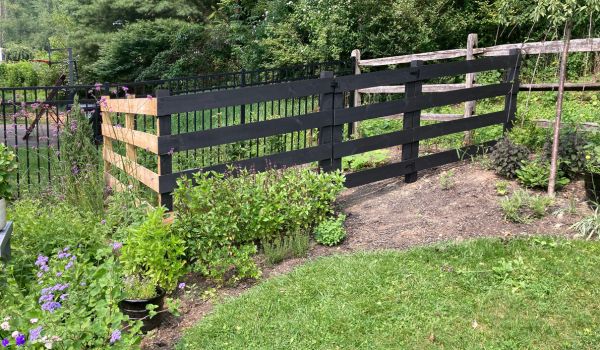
x,y
329,120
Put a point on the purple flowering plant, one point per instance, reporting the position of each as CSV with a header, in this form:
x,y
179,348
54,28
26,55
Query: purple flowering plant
x,y
72,304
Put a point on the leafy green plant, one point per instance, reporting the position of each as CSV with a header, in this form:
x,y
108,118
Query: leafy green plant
x,y
533,174
446,181
502,187
72,304
138,288
8,167
331,232
571,151
295,244
523,207
589,226
224,215
366,160
154,252
507,157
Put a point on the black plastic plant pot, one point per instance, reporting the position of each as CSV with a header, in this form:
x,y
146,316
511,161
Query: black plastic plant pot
x,y
592,187
136,310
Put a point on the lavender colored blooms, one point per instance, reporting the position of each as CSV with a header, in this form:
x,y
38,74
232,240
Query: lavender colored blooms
x,y
51,306
5,342
35,333
83,283
103,221
116,245
69,265
181,285
58,274
116,335
20,340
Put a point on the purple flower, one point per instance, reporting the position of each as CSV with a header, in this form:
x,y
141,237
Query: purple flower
x,y
125,88
103,221
81,245
149,97
35,333
20,340
58,274
66,249
181,285
116,335
70,264
64,296
5,342
51,306
57,152
40,274
116,245
83,283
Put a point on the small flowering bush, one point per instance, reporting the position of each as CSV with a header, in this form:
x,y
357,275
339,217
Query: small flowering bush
x,y
72,304
8,167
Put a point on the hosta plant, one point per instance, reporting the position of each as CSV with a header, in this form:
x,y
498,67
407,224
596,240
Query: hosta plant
x,y
537,174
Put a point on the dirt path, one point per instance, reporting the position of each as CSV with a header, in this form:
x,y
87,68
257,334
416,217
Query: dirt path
x,y
393,215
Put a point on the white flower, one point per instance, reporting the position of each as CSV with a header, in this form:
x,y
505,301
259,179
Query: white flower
x,y
7,319
33,320
15,334
5,326
56,338
48,345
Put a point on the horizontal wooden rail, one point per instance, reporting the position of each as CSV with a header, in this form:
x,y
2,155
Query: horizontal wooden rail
x,y
367,144
145,176
421,102
227,98
548,124
554,87
130,105
235,133
132,137
578,45
307,155
417,164
399,89
436,117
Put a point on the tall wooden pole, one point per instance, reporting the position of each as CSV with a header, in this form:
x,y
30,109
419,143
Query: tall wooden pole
x,y
559,102
471,79
356,55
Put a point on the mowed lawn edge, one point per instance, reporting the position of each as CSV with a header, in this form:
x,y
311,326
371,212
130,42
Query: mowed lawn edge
x,y
528,293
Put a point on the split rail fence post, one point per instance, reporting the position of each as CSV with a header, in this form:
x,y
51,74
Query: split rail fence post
x,y
131,150
510,101
412,120
165,161
356,64
471,79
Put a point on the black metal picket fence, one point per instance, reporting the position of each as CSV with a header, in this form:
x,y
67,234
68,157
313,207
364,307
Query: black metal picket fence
x,y
20,106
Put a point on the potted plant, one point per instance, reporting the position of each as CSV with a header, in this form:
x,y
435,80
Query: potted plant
x,y
8,167
591,174
144,302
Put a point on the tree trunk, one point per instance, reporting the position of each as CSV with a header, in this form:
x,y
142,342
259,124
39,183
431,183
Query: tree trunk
x,y
561,90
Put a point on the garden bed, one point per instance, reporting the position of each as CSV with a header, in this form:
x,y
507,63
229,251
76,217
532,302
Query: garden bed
x,y
393,215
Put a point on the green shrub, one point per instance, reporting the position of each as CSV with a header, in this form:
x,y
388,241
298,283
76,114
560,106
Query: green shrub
x,y
331,232
295,244
570,150
154,252
224,211
507,156
534,174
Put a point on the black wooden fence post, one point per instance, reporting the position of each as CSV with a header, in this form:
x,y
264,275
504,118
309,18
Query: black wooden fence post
x,y
510,101
335,133
243,107
165,161
412,120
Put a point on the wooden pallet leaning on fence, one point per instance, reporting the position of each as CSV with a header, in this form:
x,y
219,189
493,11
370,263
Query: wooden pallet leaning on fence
x,y
134,139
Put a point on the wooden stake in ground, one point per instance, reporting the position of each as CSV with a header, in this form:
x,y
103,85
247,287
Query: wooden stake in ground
x,y
471,79
561,90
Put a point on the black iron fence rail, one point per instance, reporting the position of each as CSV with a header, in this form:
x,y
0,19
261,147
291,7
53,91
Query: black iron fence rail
x,y
35,152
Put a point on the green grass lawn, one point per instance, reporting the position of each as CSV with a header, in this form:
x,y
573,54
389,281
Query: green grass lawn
x,y
536,293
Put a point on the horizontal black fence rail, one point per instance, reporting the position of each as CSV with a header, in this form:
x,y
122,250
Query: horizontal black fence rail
x,y
20,107
327,122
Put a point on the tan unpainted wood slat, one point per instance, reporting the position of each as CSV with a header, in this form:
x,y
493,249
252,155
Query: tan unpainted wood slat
x,y
130,150
399,89
107,144
145,176
132,137
144,106
554,87
429,117
578,45
357,101
471,78
114,184
547,124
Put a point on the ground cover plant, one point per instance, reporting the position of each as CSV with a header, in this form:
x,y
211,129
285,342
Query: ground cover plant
x,y
331,231
467,296
521,206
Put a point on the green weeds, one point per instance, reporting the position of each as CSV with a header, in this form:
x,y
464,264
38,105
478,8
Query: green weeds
x,y
523,207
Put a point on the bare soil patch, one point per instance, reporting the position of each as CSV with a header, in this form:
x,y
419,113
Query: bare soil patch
x,y
391,214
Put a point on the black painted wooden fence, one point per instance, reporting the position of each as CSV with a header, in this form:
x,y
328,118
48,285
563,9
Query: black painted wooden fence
x,y
332,116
